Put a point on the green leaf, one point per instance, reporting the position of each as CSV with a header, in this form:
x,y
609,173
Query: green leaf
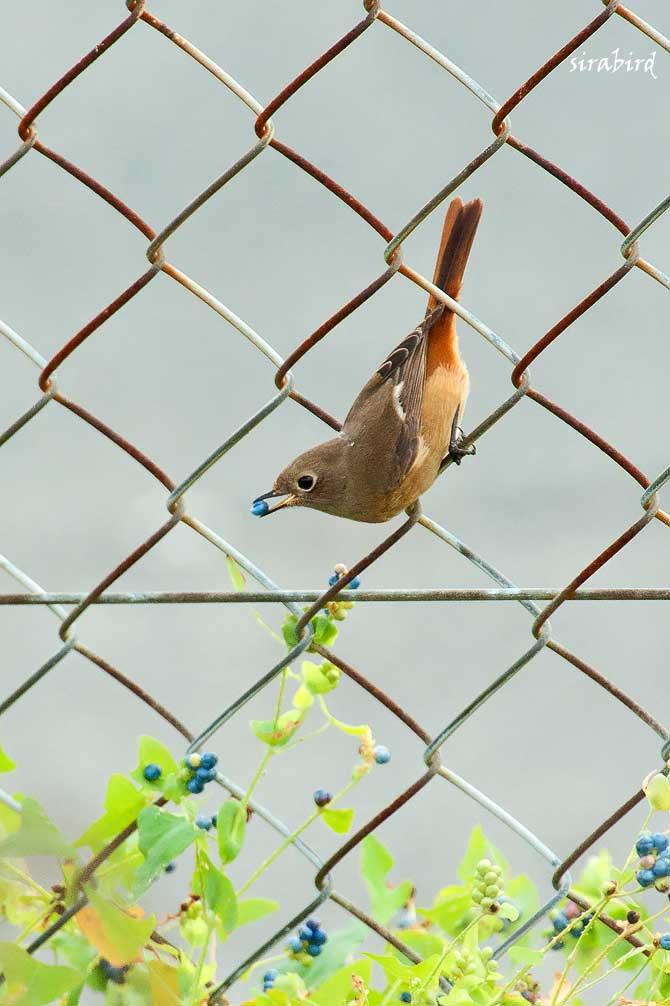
x,y
338,820
303,699
525,955
325,629
596,873
117,935
217,891
339,986
29,982
475,851
523,894
6,763
235,573
231,826
288,631
252,909
658,792
347,728
395,971
122,805
509,912
36,835
152,752
376,862
451,910
425,944
278,735
162,837
315,680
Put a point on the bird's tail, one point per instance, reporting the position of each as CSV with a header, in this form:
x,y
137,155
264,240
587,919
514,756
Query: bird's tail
x,y
460,226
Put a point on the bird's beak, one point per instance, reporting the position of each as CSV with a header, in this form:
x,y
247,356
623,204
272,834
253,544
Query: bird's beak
x,y
257,507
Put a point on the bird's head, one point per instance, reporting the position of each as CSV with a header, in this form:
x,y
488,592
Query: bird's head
x,y
316,479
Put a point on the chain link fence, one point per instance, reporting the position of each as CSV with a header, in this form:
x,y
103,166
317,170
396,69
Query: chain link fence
x,y
540,604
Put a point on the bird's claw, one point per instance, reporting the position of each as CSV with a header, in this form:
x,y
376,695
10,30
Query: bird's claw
x,y
456,450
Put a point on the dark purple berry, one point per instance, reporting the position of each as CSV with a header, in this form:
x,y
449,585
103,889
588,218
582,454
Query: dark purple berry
x,y
322,797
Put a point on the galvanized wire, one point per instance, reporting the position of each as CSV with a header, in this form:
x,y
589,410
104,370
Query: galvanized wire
x,y
391,258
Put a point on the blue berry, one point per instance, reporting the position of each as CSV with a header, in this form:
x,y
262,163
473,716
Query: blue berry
x,y
405,997
319,937
313,925
112,973
333,580
195,785
171,867
355,584
295,944
313,949
322,797
645,878
304,933
152,772
192,760
206,774
259,508
270,975
205,823
382,755
661,867
208,760
644,845
664,941
660,841
560,922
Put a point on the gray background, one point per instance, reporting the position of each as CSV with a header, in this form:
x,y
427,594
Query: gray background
x,y
538,501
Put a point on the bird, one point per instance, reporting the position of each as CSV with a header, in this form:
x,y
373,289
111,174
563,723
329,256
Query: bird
x,y
405,421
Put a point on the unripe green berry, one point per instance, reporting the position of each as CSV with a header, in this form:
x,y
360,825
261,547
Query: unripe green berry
x,y
484,865
491,877
477,895
486,903
492,891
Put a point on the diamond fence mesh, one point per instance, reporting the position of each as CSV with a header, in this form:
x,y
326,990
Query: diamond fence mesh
x,y
266,119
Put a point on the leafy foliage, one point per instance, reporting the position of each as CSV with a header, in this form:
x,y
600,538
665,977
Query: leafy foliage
x,y
441,954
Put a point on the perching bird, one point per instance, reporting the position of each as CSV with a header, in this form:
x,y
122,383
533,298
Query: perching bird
x,y
406,419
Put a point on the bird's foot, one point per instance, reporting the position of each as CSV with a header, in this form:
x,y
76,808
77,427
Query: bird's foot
x,y
456,449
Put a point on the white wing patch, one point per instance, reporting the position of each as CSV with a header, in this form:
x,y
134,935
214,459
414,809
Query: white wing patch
x,y
397,391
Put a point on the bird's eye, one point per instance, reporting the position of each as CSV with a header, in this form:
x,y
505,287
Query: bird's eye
x,y
306,483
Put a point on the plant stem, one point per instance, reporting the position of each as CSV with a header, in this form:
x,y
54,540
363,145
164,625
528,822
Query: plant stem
x,y
290,839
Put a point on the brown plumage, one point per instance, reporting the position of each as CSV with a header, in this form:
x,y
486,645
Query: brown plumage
x,y
405,420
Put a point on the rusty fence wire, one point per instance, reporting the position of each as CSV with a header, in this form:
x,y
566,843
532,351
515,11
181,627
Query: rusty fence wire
x,y
265,128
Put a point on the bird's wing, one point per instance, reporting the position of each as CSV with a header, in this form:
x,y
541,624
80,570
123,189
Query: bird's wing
x,y
392,399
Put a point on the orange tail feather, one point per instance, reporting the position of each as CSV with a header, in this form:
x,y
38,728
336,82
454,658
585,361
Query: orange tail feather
x,y
460,226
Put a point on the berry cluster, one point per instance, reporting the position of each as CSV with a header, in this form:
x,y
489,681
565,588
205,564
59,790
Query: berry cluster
x,y
113,973
309,941
341,571
654,862
269,979
566,917
487,886
198,769
204,822
192,922
466,963
529,989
